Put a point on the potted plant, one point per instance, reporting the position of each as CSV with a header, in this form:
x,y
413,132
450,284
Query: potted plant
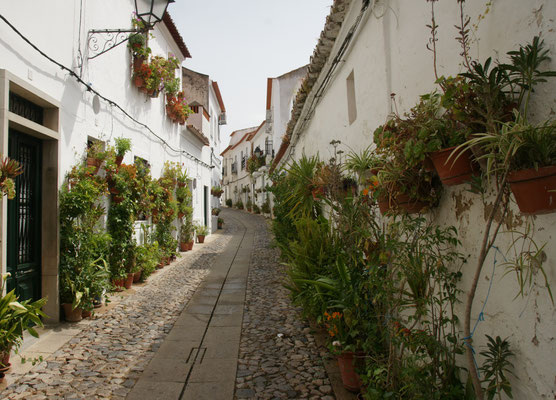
x,y
123,145
16,318
216,211
216,191
229,203
220,222
137,43
9,169
201,231
95,156
185,237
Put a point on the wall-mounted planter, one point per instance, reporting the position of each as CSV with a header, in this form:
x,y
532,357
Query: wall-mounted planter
x,y
401,202
451,171
534,190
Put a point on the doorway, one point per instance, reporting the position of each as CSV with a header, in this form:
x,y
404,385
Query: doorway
x,y
24,219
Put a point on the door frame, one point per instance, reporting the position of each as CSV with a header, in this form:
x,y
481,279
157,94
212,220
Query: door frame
x,y
48,133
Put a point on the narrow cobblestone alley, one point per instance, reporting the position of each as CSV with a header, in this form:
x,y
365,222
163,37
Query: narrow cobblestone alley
x,y
178,336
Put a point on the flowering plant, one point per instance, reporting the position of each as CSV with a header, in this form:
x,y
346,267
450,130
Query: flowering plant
x,y
177,108
9,169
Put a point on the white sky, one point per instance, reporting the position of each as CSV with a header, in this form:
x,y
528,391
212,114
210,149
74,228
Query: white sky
x,y
242,43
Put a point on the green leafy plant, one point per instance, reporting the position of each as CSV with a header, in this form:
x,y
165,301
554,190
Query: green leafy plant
x,y
496,367
123,145
239,205
216,211
201,230
17,317
229,203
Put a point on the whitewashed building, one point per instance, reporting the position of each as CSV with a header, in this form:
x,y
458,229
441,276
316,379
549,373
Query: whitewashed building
x,y
371,49
203,128
57,92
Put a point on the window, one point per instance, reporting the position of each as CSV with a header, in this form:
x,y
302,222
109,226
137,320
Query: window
x,y
351,102
268,146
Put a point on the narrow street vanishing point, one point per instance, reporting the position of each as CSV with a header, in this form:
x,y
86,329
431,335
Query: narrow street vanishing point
x,y
216,324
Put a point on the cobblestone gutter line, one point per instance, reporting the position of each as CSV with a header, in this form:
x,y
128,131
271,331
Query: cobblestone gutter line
x,y
278,356
107,357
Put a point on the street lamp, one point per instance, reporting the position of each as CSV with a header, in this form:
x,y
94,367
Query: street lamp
x,y
149,11
258,152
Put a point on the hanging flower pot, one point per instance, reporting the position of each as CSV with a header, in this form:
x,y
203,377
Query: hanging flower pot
x,y
138,61
534,190
95,163
119,160
72,314
453,170
347,363
139,82
401,202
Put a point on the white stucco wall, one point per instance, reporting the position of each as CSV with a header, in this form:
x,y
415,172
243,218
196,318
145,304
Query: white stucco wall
x,y
389,56
54,26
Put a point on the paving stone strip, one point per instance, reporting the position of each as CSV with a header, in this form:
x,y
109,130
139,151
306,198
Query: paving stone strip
x,y
278,356
106,358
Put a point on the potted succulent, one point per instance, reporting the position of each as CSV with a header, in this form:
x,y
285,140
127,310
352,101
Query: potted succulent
x,y
16,318
201,231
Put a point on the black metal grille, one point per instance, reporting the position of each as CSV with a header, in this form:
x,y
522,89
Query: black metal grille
x,y
25,196
26,108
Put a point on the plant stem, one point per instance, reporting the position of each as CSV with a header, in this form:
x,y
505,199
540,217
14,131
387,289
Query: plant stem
x,y
485,247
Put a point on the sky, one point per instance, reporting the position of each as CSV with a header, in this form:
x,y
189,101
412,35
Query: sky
x,y
242,43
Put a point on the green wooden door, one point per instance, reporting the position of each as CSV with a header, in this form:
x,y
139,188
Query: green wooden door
x,y
24,219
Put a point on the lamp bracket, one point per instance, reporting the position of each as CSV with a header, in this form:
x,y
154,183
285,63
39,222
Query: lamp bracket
x,y
100,41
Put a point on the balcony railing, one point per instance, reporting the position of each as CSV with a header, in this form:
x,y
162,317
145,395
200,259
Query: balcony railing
x,y
234,168
243,162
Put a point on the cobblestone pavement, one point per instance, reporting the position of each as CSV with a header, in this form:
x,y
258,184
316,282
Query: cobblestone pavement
x,y
105,360
278,357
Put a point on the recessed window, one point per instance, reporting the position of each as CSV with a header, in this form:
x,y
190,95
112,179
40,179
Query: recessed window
x,y
351,101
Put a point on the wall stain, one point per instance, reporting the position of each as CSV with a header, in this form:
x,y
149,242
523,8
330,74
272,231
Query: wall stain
x,y
511,220
462,204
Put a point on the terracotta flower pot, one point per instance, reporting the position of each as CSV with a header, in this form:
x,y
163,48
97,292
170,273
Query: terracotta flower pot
x,y
72,315
5,359
86,314
402,202
118,284
220,225
201,238
128,281
137,62
190,244
117,199
534,190
139,82
453,171
137,276
184,246
119,160
93,162
347,363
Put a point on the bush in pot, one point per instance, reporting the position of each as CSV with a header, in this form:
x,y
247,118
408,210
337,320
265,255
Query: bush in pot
x,y
16,318
201,231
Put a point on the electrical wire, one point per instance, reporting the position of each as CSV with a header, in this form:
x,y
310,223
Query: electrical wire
x,y
107,100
